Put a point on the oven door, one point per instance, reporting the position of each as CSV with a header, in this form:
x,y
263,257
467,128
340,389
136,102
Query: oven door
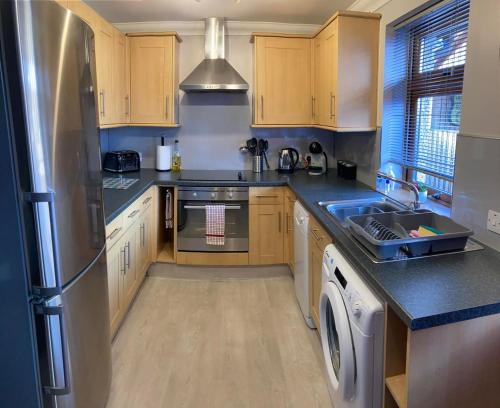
x,y
191,229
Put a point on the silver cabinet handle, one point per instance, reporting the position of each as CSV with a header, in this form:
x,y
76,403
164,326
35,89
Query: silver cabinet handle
x,y
315,235
262,107
127,105
142,235
114,233
147,200
279,221
166,107
48,312
202,207
128,254
103,111
313,102
286,223
122,261
334,109
133,214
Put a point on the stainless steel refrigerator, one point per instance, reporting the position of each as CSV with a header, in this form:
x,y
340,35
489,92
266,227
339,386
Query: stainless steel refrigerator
x,y
48,79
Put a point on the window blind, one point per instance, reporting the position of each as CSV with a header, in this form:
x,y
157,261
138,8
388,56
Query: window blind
x,y
424,70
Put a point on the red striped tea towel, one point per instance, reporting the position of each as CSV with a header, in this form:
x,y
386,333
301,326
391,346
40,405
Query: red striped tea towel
x,y
215,223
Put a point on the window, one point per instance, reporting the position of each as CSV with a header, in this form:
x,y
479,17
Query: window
x,y
424,70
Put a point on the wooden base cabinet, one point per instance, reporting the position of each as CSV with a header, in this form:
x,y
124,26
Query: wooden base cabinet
x,y
129,254
455,365
266,226
318,240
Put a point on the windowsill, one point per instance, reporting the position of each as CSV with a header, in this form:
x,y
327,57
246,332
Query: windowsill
x,y
406,197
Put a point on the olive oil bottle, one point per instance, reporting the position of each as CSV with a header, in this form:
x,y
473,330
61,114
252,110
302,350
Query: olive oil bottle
x,y
176,157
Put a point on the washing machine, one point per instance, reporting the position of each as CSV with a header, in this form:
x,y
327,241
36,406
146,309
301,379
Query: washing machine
x,y
352,335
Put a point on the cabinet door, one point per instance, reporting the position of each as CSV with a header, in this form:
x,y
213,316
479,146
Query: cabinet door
x,y
151,79
283,80
289,233
266,234
329,75
143,240
104,67
130,257
121,100
315,275
116,269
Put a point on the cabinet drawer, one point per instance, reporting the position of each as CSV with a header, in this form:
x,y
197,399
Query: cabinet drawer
x,y
318,235
146,199
114,231
131,214
266,195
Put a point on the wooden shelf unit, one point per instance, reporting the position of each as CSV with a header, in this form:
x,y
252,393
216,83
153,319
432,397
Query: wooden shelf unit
x,y
396,339
167,238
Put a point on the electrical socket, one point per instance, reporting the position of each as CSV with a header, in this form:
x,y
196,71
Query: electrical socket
x,y
493,221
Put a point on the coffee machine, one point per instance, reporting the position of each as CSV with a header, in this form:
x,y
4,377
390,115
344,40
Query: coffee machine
x,y
318,161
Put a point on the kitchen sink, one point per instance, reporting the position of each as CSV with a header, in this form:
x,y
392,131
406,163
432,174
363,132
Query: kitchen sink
x,y
340,210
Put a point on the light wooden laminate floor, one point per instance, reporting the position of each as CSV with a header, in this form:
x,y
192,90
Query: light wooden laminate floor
x,y
210,337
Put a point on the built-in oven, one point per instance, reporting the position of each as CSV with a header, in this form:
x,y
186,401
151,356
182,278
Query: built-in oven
x,y
191,218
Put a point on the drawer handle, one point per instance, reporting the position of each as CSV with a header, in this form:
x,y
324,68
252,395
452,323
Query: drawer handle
x,y
124,269
266,196
133,214
114,233
315,235
147,200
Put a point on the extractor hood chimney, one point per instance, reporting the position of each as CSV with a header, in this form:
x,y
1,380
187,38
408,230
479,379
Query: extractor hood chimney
x,y
214,73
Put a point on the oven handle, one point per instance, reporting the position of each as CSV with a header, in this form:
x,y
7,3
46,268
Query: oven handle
x,y
202,207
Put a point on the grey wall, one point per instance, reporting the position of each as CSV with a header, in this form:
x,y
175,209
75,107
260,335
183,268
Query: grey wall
x,y
214,125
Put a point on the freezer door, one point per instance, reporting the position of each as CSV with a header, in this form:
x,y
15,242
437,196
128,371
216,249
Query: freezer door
x,y
76,363
56,51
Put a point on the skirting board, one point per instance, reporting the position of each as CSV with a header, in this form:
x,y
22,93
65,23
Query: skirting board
x,y
212,258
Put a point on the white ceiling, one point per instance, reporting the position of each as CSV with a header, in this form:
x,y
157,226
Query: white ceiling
x,y
283,11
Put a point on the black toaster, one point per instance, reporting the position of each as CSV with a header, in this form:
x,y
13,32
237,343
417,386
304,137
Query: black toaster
x,y
121,161
347,169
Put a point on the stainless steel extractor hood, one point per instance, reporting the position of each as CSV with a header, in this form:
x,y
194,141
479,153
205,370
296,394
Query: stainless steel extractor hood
x,y
214,73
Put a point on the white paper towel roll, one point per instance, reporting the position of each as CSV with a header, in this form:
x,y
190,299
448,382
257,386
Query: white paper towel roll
x,y
163,158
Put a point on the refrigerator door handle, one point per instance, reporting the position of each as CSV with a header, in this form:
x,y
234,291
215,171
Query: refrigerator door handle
x,y
45,310
50,269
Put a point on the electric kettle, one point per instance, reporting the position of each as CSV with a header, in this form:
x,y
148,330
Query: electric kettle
x,y
288,159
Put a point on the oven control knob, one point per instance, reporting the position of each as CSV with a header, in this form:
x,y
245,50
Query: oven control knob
x,y
195,194
212,195
230,195
357,308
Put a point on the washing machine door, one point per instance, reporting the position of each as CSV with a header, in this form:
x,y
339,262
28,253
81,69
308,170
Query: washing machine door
x,y
336,340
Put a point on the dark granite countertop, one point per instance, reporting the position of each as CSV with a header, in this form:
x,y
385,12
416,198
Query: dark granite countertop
x,y
424,292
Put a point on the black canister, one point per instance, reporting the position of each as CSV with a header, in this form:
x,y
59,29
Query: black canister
x,y
347,169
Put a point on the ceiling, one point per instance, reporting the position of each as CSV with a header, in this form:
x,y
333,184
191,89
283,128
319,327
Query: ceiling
x,y
283,11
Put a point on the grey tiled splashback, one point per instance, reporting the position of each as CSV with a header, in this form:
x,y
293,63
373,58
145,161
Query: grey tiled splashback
x,y
477,185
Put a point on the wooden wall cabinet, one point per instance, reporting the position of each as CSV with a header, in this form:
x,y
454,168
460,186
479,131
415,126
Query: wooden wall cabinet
x,y
282,80
154,79
346,72
129,239
137,74
266,229
334,87
318,240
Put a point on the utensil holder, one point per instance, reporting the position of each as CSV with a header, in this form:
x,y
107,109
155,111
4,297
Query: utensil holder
x,y
257,164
